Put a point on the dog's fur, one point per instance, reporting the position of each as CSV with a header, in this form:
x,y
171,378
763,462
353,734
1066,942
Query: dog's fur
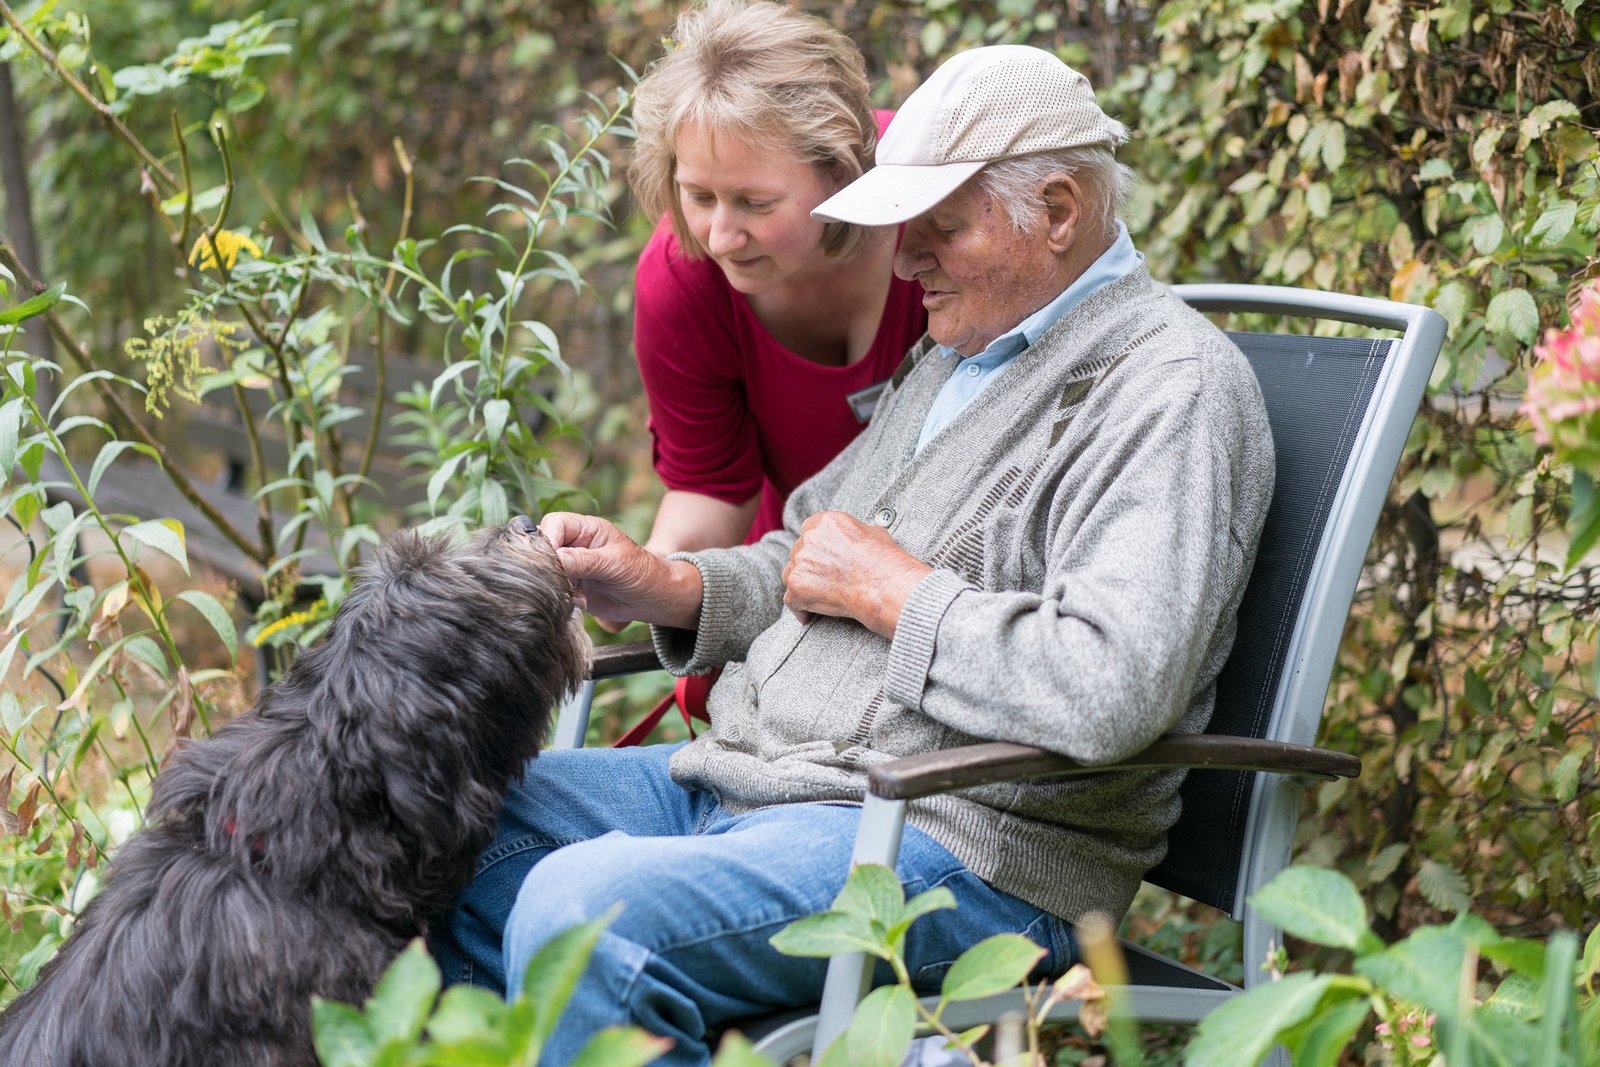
x,y
297,850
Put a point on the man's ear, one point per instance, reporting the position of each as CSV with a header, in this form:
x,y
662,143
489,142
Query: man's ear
x,y
1064,211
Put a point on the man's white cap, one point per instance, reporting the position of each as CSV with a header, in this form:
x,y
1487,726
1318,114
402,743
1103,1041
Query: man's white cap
x,y
981,105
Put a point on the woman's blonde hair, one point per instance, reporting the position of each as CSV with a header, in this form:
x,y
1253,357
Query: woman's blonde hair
x,y
777,79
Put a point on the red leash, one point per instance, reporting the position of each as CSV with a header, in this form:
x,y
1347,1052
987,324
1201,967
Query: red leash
x,y
689,694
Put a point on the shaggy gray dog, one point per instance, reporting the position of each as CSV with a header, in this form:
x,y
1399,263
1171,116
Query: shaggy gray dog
x,y
298,849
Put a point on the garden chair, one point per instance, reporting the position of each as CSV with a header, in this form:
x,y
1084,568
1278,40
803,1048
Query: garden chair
x,y
1341,409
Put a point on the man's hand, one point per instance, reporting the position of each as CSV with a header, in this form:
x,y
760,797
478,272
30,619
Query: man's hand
x,y
615,578
840,566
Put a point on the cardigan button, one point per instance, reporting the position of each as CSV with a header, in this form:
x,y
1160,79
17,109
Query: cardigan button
x,y
884,517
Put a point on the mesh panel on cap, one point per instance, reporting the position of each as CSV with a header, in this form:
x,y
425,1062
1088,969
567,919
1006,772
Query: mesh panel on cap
x,y
1015,108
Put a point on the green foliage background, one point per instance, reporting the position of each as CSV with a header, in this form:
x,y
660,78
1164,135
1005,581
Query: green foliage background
x,y
1443,153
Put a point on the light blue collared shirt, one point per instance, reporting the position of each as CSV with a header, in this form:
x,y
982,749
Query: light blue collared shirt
x,y
973,374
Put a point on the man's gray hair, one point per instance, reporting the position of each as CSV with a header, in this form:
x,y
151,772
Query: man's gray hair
x,y
1105,183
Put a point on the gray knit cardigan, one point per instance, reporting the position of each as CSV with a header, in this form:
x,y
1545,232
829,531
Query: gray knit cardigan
x,y
1091,518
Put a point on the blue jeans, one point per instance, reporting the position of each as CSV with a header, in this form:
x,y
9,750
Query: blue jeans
x,y
701,890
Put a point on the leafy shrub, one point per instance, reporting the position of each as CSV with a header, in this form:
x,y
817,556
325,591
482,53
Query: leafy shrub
x,y
871,916
1458,992
406,1023
105,678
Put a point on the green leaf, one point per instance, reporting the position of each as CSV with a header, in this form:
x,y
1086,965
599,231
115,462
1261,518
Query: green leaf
x,y
203,201
493,508
1564,779
1584,525
11,714
618,1046
217,615
881,1032
1477,692
1319,200
936,899
108,454
340,1034
1522,955
1333,146
400,1002
10,434
1518,995
1435,170
466,1012
1555,223
1485,232
992,966
34,305
495,413
830,933
1320,1040
554,971
1513,311
1316,905
1244,1029
441,477
448,375
163,535
873,892
1453,302
144,648
1425,968
1385,862
1444,886
736,1051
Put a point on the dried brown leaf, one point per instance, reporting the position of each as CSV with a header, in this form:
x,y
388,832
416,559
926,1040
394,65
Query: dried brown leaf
x,y
182,707
5,786
1302,78
1351,66
1078,984
75,846
1092,1017
27,809
1419,35
44,846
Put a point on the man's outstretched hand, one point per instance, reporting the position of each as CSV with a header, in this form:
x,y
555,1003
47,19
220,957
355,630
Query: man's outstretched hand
x,y
615,578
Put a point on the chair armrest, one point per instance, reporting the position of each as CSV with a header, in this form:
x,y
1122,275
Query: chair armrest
x,y
972,765
612,661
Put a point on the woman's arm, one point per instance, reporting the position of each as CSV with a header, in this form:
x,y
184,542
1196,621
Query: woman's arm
x,y
688,522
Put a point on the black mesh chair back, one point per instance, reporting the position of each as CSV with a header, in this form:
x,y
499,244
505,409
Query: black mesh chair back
x,y
1317,390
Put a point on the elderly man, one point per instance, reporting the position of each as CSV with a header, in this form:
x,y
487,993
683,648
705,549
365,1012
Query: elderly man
x,y
1041,537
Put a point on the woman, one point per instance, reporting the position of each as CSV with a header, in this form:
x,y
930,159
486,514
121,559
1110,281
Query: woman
x,y
760,332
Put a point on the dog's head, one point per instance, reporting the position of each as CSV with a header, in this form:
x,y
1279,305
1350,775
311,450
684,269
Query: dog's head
x,y
482,635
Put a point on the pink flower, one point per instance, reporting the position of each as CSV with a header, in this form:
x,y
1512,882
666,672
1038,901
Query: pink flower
x,y
1563,398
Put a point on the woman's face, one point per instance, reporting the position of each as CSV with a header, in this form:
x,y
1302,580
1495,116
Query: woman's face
x,y
751,208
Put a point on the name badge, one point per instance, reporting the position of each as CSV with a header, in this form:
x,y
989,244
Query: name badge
x,y
865,401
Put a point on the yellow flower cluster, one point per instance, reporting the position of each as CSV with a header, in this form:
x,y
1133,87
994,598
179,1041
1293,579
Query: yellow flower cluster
x,y
318,610
172,357
228,243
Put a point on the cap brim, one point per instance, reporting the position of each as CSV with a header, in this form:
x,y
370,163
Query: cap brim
x,y
892,193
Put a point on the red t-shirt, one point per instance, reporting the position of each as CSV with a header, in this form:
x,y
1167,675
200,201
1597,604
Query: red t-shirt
x,y
732,411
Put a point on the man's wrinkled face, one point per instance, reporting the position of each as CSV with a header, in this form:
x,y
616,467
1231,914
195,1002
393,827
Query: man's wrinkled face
x,y
980,275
